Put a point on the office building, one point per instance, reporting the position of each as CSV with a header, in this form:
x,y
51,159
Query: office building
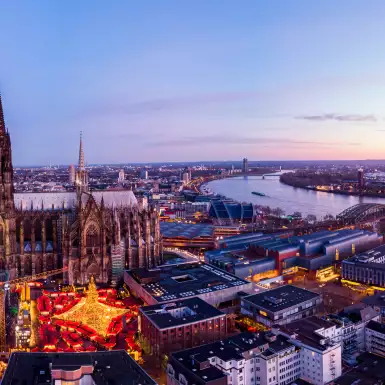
x,y
121,176
367,268
71,174
144,174
281,305
186,177
176,282
245,165
99,368
180,325
360,179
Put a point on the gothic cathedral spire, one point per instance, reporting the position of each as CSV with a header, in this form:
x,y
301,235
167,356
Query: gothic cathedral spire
x,y
81,165
7,204
81,172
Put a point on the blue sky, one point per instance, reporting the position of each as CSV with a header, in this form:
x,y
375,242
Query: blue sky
x,y
169,80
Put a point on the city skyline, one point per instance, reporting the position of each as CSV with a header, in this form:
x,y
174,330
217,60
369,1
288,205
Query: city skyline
x,y
193,81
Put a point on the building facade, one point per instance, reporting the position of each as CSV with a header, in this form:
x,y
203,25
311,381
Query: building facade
x,y
375,338
280,306
245,165
75,230
266,358
180,325
367,268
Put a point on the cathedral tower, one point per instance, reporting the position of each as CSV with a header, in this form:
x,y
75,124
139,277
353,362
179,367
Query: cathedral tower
x,y
81,173
6,168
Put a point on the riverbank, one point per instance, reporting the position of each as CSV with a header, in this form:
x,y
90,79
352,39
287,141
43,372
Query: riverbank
x,y
289,198
339,192
199,183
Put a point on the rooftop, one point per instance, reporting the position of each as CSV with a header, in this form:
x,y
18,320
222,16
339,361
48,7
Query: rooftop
x,y
58,200
375,300
281,298
186,230
376,326
186,280
309,331
232,348
180,313
370,370
113,367
375,256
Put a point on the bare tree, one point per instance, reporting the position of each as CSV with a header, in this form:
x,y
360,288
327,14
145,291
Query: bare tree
x,y
311,218
328,217
278,212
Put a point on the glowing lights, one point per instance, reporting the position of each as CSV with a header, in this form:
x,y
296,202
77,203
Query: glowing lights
x,y
261,312
89,311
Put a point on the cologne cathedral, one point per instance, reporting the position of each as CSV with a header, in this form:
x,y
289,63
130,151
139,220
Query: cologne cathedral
x,y
87,233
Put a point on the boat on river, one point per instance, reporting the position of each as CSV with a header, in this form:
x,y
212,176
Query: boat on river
x,y
258,193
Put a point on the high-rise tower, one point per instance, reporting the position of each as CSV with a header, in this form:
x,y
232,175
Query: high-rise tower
x,y
245,166
81,173
6,169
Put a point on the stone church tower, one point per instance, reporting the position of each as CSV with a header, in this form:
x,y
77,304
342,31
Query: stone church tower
x,y
7,207
98,233
6,172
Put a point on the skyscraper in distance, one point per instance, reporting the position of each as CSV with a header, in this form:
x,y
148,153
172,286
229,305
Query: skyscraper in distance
x,y
71,174
361,180
245,165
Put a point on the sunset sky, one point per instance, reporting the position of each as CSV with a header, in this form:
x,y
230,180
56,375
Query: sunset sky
x,y
172,80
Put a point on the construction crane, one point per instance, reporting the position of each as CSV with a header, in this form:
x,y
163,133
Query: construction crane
x,y
8,283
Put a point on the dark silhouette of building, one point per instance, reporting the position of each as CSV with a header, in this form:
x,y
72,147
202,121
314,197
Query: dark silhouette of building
x,y
245,165
361,180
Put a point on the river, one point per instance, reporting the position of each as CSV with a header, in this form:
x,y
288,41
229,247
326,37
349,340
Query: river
x,y
288,198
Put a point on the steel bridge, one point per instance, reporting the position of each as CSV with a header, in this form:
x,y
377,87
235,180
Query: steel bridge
x,y
362,212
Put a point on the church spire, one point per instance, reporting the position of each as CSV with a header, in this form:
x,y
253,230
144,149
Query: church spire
x,y
81,164
81,173
2,123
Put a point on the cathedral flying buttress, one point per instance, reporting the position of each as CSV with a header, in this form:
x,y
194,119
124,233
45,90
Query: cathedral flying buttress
x,y
92,233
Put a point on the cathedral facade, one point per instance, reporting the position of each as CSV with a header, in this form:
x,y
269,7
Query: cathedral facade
x,y
87,233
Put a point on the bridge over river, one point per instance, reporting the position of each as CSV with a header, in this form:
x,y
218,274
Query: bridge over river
x,y
361,213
